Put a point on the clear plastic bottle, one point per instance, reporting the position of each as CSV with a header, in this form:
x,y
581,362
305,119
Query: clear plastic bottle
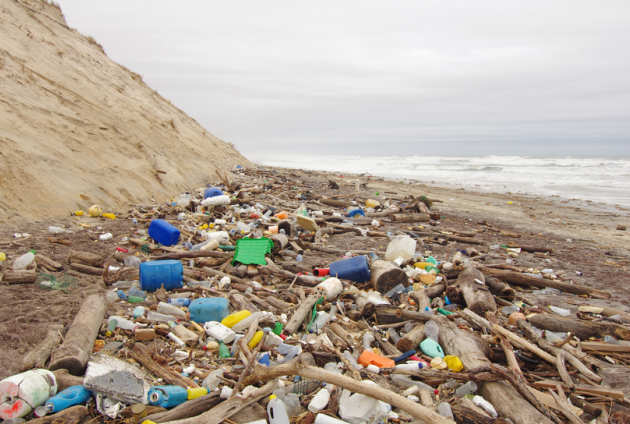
x,y
485,405
132,261
467,388
24,261
432,330
444,409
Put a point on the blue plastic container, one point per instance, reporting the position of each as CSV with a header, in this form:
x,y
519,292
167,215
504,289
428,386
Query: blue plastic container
x,y
353,269
207,309
212,192
73,395
167,396
163,232
154,274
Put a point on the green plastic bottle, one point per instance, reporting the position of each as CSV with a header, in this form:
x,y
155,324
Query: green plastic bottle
x,y
224,352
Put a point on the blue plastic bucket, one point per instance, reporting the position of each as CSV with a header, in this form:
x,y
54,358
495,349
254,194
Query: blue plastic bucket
x,y
212,192
167,396
353,269
209,309
163,232
154,274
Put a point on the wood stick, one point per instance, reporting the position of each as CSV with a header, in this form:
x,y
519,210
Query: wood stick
x,y
86,269
411,339
74,353
142,354
563,406
72,415
509,403
187,409
562,368
65,379
86,258
477,296
48,263
470,349
228,408
524,344
296,368
524,280
604,347
582,329
500,288
300,314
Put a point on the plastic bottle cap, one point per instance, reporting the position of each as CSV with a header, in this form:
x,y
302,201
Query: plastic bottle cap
x,y
272,397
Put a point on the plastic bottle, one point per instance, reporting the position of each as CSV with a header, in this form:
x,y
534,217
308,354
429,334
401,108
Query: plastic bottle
x,y
195,392
467,388
212,381
132,261
73,395
288,351
24,261
319,401
400,247
320,321
432,330
277,411
167,308
406,381
167,396
176,339
560,311
179,301
219,331
485,405
256,338
234,318
444,409
22,392
122,323
213,201
245,323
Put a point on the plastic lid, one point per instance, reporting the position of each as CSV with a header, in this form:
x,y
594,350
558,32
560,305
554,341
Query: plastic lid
x,y
272,397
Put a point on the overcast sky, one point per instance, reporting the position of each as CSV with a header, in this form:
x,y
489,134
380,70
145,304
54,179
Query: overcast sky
x,y
383,77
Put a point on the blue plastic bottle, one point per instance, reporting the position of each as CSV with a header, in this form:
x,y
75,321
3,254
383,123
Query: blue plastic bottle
x,y
353,269
154,274
167,396
207,309
73,395
179,301
163,232
212,192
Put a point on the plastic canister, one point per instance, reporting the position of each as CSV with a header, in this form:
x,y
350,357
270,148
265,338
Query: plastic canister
x,y
207,309
155,274
167,396
22,392
431,348
332,287
400,247
216,201
219,331
212,192
163,232
235,317
354,269
73,395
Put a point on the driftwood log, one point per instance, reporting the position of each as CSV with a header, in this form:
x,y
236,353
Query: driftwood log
x,y
581,328
300,314
477,296
65,379
37,357
509,403
385,275
74,353
410,217
22,276
500,288
86,258
470,349
411,340
187,409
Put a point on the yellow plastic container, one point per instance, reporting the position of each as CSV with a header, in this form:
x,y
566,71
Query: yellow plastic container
x,y
109,215
371,203
78,213
3,256
453,363
258,335
194,393
95,210
233,319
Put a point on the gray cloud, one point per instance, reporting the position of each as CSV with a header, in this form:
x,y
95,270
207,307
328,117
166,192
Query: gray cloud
x,y
497,76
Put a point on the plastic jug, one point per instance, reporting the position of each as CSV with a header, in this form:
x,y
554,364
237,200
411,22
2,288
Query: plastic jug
x,y
400,247
167,396
219,331
163,232
234,318
154,274
73,395
354,269
212,192
277,411
431,348
216,201
207,309
20,393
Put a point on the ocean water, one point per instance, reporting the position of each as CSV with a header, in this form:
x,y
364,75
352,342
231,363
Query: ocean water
x,y
603,180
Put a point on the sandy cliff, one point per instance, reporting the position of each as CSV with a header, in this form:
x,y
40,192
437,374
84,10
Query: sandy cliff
x,y
77,128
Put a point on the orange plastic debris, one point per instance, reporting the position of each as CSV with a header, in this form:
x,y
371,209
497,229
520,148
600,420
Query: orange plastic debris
x,y
368,357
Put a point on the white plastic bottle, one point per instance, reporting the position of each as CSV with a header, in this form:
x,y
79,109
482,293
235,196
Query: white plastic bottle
x,y
319,401
277,411
167,308
485,405
24,261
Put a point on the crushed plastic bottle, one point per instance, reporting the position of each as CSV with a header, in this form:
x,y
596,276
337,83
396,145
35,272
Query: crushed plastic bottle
x,y
24,261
